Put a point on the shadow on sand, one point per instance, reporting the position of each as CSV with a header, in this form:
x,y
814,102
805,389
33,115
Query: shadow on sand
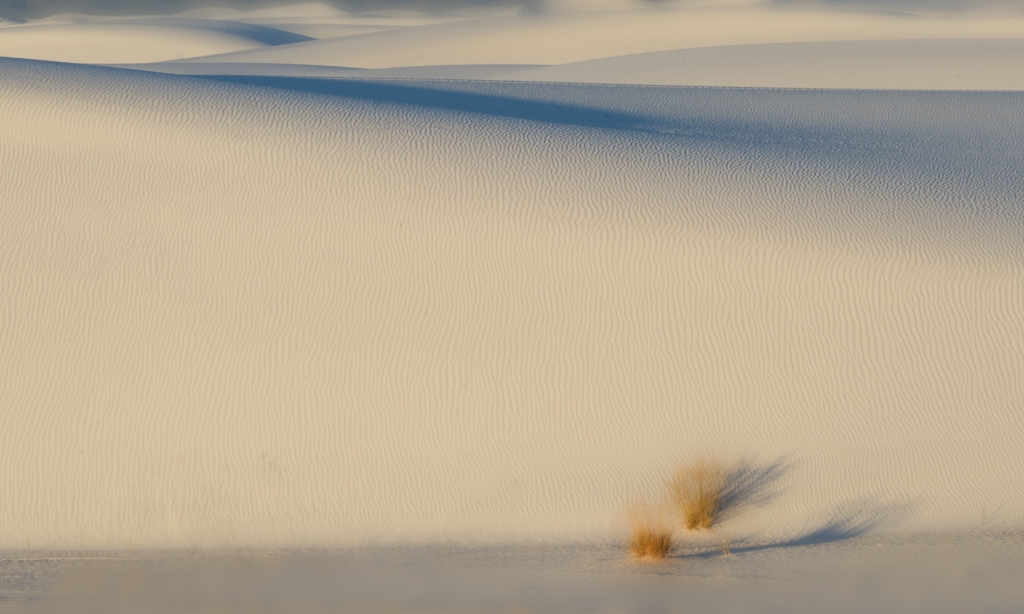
x,y
848,521
420,95
751,484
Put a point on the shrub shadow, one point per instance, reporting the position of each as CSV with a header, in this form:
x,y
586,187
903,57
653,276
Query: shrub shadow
x,y
751,484
848,521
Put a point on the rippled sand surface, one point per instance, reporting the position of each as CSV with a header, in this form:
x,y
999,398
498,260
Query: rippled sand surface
x,y
280,306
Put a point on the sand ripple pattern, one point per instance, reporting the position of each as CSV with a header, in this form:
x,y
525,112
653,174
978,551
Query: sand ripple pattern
x,y
254,314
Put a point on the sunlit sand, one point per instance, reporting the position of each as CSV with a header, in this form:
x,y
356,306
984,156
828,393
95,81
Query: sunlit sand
x,y
365,282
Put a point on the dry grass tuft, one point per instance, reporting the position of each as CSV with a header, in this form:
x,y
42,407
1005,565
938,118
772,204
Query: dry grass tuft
x,y
652,543
650,538
696,492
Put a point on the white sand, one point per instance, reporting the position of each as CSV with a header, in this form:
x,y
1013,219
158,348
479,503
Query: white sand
x,y
945,65
937,574
890,65
559,38
283,309
136,41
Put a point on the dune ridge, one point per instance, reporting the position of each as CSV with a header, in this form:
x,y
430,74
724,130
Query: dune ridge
x,y
561,38
261,314
966,64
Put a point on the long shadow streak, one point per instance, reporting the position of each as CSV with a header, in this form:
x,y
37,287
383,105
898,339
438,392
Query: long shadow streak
x,y
403,93
845,526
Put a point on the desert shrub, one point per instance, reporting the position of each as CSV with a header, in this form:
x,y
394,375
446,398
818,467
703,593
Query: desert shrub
x,y
696,491
650,537
650,542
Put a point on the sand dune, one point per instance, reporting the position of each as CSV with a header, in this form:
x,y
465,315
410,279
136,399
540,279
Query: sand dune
x,y
136,40
560,38
373,41
947,65
320,20
890,65
280,311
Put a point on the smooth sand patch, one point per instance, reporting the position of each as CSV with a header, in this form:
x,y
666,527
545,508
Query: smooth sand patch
x,y
937,573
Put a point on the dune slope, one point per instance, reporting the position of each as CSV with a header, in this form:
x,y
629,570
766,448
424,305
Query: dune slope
x,y
285,312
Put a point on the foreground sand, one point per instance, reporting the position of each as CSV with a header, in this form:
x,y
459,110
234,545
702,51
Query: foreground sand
x,y
933,573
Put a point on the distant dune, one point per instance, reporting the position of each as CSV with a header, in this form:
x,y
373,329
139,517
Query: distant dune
x,y
559,38
890,65
270,309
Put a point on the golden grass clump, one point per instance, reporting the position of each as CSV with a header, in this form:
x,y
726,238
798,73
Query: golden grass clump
x,y
696,492
650,538
650,542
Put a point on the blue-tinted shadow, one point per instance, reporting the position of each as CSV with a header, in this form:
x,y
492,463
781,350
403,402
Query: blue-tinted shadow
x,y
849,522
468,102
